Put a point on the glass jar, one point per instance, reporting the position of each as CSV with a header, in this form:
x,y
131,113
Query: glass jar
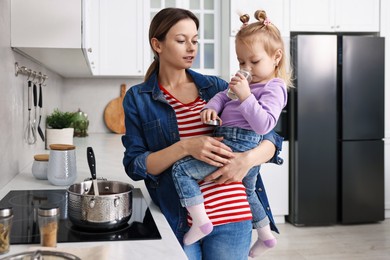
x,y
62,169
48,225
39,167
6,216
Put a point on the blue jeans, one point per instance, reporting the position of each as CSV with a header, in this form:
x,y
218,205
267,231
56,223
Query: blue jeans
x,y
188,171
226,242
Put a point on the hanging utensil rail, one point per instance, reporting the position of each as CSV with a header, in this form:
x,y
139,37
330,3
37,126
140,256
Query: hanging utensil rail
x,y
26,71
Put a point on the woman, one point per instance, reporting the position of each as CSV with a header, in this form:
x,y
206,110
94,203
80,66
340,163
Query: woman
x,y
163,125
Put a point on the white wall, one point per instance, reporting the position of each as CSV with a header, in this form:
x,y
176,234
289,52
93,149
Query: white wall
x,y
92,96
14,152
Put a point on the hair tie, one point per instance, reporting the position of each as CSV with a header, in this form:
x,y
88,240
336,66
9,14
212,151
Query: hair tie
x,y
267,21
244,18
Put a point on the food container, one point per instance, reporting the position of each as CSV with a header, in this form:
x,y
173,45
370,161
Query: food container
x,y
48,225
111,209
62,170
6,217
39,167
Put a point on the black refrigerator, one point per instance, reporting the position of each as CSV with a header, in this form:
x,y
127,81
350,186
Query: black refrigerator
x,y
336,130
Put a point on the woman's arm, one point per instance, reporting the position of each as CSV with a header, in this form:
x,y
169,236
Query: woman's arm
x,y
208,149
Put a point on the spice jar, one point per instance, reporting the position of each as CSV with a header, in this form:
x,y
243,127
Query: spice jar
x,y
62,169
39,167
48,225
6,217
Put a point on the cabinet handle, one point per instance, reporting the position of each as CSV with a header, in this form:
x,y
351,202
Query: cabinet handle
x,y
337,26
89,49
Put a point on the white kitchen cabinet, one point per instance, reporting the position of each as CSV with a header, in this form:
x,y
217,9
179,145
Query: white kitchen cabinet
x,y
276,178
91,22
335,15
81,38
277,11
50,32
122,38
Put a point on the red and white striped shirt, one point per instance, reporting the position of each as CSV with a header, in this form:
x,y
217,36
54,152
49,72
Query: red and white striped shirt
x,y
224,203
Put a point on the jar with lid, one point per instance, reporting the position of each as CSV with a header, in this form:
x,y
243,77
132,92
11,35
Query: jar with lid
x,y
48,225
39,167
62,169
6,216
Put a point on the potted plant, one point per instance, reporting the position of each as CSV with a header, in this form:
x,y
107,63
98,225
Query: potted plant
x,y
59,128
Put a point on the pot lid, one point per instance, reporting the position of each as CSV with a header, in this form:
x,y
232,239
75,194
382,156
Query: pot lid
x,y
5,212
48,211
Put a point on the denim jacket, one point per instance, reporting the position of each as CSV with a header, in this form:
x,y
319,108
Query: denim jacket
x,y
151,125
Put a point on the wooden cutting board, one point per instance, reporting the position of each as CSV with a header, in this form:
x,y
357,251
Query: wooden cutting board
x,y
114,115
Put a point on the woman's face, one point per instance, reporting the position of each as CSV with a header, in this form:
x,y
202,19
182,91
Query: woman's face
x,y
180,45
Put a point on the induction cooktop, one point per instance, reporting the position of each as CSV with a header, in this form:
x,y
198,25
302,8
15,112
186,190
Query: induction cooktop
x,y
25,230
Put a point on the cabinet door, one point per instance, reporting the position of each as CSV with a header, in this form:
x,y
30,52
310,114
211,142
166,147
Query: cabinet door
x,y
46,23
121,38
91,20
312,15
276,179
363,17
277,12
334,15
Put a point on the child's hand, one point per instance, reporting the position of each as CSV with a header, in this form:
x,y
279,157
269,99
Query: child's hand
x,y
209,114
240,86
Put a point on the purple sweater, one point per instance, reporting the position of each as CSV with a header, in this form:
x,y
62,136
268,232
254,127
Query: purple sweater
x,y
259,112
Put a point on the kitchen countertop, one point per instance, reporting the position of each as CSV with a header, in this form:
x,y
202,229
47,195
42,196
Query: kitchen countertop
x,y
108,151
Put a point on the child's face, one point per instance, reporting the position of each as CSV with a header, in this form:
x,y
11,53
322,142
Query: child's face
x,y
253,58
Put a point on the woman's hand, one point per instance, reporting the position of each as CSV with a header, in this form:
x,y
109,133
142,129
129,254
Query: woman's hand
x,y
239,166
210,150
235,171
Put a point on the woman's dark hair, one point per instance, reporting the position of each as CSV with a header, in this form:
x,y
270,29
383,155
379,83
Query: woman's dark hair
x,y
161,23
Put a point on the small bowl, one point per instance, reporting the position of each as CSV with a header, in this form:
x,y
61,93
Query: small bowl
x,y
39,167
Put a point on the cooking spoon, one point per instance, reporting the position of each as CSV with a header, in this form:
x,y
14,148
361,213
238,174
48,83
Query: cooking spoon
x,y
92,167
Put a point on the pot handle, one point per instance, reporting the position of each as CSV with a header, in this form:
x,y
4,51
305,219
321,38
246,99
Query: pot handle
x,y
91,162
116,201
92,203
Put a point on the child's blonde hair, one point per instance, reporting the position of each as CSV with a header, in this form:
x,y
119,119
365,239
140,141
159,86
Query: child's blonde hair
x,y
268,34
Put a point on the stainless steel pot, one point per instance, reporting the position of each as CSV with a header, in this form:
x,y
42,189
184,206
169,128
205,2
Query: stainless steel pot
x,y
42,254
112,208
